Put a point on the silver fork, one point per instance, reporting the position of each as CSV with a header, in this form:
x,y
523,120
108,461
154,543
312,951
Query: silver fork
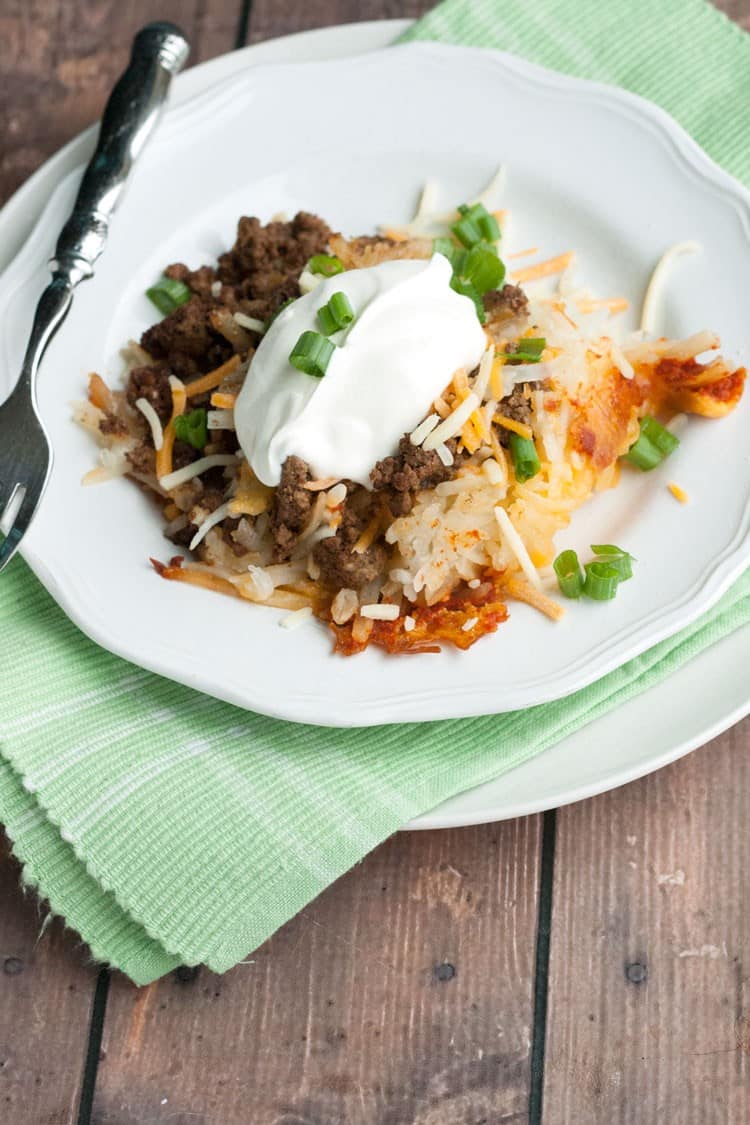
x,y
131,114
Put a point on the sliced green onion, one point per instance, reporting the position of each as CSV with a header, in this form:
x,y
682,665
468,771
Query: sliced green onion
x,y
525,457
644,454
471,211
659,435
455,254
486,223
326,321
466,289
168,295
615,557
467,232
601,581
528,350
483,268
444,246
338,313
569,574
654,443
325,264
489,227
312,354
192,428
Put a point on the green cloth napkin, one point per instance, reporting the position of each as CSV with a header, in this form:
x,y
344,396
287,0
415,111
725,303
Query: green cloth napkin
x,y
169,828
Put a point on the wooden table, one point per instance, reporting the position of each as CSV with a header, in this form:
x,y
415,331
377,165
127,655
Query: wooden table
x,y
587,966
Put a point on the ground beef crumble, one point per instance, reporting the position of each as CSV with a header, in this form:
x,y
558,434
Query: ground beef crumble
x,y
152,383
256,277
411,469
340,566
516,405
504,305
291,507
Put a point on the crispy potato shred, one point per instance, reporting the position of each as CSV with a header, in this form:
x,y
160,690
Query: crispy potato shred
x,y
434,625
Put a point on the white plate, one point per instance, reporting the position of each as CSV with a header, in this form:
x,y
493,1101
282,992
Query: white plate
x,y
672,718
89,546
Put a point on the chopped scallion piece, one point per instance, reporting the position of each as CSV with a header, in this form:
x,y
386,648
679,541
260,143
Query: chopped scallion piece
x,y
325,264
644,454
569,574
466,289
341,309
192,428
483,268
601,581
654,443
615,557
338,313
659,435
312,354
525,457
444,246
168,295
467,232
528,350
326,321
486,223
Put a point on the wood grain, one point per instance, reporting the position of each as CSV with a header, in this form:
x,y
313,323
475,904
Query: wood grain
x,y
738,10
46,991
269,18
59,59
402,995
649,995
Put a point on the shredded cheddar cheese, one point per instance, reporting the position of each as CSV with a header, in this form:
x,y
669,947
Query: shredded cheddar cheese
x,y
678,493
519,428
544,269
164,455
214,378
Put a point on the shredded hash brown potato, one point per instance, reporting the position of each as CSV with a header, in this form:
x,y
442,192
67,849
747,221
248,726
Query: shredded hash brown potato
x,y
447,535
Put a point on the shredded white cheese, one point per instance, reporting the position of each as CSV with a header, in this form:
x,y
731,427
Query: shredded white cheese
x,y
658,278
417,436
444,454
250,322
623,365
181,476
483,374
308,280
378,612
453,424
514,541
469,624
409,623
148,412
210,521
220,419
336,495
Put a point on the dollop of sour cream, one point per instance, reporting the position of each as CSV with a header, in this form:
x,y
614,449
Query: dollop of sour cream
x,y
410,335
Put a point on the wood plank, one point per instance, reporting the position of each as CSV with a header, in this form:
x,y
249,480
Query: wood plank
x,y
46,992
269,18
738,10
649,1003
403,994
59,60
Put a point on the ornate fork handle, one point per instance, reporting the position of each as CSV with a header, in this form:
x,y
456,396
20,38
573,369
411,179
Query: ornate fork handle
x,y
131,114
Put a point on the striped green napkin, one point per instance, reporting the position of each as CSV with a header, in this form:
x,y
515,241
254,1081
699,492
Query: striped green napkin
x,y
168,828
